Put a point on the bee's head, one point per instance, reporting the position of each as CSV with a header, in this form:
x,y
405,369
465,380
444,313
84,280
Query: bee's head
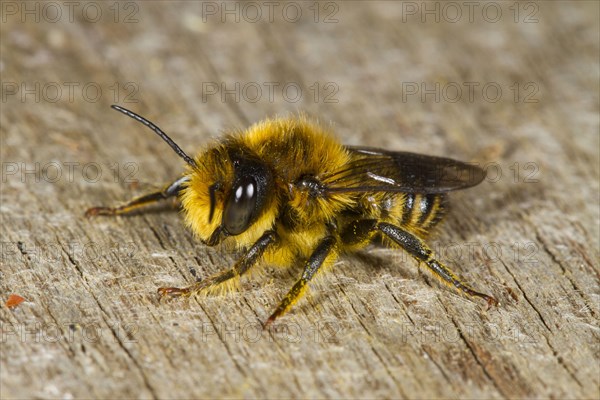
x,y
227,190
228,195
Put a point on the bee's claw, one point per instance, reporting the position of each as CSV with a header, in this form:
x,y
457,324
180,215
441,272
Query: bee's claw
x,y
94,211
172,292
491,302
268,322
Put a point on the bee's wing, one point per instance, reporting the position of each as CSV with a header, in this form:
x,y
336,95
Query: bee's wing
x,y
376,170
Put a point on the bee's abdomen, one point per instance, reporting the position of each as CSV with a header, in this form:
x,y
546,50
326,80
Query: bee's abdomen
x,y
418,211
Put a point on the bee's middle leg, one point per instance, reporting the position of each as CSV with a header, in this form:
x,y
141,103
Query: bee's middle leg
x,y
249,259
320,255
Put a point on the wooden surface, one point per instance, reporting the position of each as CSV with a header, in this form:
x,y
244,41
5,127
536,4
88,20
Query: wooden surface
x,y
373,326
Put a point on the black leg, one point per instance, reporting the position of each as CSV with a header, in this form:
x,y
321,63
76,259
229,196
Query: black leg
x,y
358,232
316,260
419,250
170,190
242,266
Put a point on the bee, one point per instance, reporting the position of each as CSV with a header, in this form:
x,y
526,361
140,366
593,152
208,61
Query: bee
x,y
285,191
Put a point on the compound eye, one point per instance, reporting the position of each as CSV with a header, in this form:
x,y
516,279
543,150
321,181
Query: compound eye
x,y
240,207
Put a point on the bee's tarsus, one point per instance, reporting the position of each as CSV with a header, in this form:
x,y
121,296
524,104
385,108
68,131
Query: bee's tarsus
x,y
96,211
490,301
171,292
267,324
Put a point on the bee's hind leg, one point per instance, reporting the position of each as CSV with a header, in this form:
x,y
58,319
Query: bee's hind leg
x,y
171,190
242,266
420,251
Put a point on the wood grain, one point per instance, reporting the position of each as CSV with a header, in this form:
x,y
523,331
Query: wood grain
x,y
372,326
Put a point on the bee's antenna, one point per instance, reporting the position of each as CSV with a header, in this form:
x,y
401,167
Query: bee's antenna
x,y
159,132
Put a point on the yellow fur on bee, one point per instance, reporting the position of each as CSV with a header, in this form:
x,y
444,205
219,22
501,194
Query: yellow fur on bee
x,y
291,147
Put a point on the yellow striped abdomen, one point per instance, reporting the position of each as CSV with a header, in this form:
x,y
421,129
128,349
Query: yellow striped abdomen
x,y
413,211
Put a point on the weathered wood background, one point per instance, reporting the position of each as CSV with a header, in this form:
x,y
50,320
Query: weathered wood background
x,y
516,91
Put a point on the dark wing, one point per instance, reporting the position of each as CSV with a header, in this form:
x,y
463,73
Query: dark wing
x,y
376,170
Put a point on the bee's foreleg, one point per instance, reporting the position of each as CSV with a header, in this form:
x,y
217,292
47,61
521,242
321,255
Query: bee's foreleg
x,y
420,251
171,190
322,254
242,266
